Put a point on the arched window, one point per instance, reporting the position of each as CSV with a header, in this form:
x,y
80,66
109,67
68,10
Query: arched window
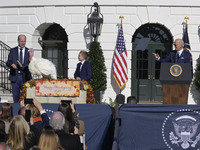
x,y
54,45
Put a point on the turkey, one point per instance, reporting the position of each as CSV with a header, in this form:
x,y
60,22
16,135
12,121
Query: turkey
x,y
41,67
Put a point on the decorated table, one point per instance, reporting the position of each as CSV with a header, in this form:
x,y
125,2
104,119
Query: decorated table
x,y
52,91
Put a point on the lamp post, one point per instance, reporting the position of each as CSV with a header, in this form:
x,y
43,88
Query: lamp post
x,y
95,21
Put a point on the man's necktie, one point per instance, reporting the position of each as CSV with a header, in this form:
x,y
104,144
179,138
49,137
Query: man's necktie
x,y
177,56
81,66
21,56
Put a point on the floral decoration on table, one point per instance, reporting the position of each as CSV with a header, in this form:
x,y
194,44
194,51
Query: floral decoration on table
x,y
83,86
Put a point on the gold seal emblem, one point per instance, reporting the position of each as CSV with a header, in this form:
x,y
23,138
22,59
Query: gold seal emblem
x,y
175,70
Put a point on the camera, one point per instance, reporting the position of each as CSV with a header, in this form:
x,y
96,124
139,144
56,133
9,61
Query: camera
x,y
66,101
71,126
27,115
28,101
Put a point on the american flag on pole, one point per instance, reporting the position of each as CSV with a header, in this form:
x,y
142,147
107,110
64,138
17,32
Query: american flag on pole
x,y
120,70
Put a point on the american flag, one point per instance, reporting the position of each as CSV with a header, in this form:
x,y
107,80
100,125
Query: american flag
x,y
120,70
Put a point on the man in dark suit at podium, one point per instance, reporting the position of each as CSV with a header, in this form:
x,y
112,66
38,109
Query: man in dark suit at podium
x,y
176,93
179,55
84,68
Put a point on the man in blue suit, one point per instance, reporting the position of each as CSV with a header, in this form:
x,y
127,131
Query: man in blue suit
x,y
18,61
179,55
84,68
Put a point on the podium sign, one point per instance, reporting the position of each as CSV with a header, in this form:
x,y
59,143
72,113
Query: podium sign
x,y
180,73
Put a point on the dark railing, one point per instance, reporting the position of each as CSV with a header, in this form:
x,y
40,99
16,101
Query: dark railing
x,y
4,70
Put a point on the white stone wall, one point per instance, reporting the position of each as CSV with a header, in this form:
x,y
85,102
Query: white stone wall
x,y
33,17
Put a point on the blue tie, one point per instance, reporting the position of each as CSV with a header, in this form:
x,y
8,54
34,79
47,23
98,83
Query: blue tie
x,y
21,56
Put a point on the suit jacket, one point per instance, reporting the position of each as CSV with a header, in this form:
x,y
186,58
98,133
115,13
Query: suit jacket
x,y
184,58
12,59
68,141
85,73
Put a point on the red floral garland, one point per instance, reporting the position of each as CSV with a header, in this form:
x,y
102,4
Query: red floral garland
x,y
84,86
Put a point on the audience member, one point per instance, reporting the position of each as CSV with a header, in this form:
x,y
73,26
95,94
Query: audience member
x,y
39,115
69,112
22,111
132,100
20,135
3,135
49,141
6,115
120,98
68,141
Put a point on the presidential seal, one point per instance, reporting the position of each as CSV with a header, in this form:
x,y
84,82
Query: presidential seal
x,y
180,130
175,70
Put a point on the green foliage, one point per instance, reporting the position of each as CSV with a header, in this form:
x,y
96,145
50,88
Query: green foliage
x,y
197,77
96,58
111,103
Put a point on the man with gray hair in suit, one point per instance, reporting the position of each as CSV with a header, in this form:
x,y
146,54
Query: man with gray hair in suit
x,y
67,141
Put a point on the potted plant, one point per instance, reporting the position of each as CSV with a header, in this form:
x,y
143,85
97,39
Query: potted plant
x,y
197,77
98,80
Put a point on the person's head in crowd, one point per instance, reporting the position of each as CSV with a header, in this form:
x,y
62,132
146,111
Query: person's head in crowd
x,y
49,140
57,120
18,132
66,109
7,112
132,100
120,98
47,128
22,111
34,111
3,146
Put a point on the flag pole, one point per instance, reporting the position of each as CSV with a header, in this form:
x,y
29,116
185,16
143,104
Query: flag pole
x,y
121,17
186,18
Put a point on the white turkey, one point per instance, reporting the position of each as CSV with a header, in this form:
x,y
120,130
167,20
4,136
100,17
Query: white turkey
x,y
41,67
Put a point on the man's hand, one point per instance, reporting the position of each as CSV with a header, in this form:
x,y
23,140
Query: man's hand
x,y
37,104
156,55
22,103
78,78
20,65
14,66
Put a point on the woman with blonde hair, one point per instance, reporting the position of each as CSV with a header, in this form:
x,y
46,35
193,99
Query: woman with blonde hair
x,y
20,137
49,141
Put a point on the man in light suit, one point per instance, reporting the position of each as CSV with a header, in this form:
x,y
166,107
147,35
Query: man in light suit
x,y
84,68
179,55
18,61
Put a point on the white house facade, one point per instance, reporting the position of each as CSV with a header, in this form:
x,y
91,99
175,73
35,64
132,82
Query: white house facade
x,y
40,20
